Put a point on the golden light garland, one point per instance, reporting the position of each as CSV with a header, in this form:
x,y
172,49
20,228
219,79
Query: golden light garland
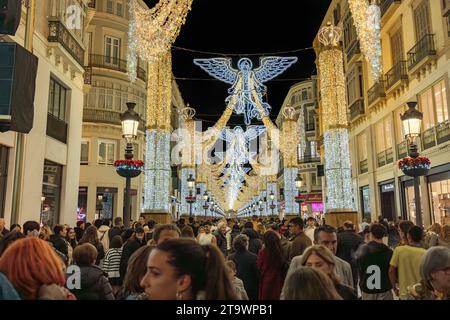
x,y
290,138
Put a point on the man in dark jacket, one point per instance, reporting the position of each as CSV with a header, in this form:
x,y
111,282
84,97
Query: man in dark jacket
x,y
134,243
221,238
300,241
348,243
58,239
373,261
254,242
79,230
246,267
117,229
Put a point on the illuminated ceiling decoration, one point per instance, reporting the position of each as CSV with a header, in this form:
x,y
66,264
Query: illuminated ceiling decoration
x,y
334,117
367,18
245,81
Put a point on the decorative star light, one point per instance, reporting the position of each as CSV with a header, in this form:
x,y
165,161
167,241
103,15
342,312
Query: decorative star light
x,y
245,80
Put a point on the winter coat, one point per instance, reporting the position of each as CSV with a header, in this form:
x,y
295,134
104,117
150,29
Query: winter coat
x,y
240,289
247,271
94,285
271,276
221,242
78,233
348,243
299,244
7,290
369,255
60,244
254,243
130,247
115,231
102,233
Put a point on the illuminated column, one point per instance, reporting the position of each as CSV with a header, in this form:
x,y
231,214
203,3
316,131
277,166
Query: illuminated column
x,y
334,112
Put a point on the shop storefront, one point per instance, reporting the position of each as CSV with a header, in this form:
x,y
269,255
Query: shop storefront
x,y
365,203
312,205
106,203
387,200
82,203
51,193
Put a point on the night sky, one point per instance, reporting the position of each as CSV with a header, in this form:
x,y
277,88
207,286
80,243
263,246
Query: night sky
x,y
240,27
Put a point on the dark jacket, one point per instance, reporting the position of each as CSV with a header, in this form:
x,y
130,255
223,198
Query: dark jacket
x,y
78,233
347,245
59,244
115,231
94,285
346,292
221,242
247,271
299,244
100,253
254,243
130,247
369,255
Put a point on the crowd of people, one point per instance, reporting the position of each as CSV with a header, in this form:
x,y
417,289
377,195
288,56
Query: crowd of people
x,y
225,259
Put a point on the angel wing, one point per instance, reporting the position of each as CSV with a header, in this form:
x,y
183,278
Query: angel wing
x,y
219,68
271,67
253,132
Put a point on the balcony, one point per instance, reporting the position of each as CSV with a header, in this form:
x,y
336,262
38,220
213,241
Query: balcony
x,y
59,33
56,128
423,49
436,135
363,166
357,109
112,63
310,127
376,93
396,75
385,157
309,159
352,50
105,116
402,149
387,5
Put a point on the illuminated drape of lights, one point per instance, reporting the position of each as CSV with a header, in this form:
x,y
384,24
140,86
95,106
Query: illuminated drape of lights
x,y
367,19
290,191
290,139
336,144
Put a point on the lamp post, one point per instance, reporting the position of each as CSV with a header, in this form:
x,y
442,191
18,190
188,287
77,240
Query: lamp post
x,y
130,123
260,208
190,199
211,208
99,205
298,198
205,206
411,122
272,197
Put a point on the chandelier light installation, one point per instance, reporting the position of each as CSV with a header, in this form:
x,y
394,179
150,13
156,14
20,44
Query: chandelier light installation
x,y
187,157
367,18
334,114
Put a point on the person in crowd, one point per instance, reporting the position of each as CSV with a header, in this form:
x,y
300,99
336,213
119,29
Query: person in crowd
x,y
285,243
444,236
71,239
307,283
393,235
45,233
79,229
15,227
300,241
117,229
103,232
91,236
111,264
3,230
235,231
94,283
284,229
431,236
182,269
322,258
134,243
221,239
30,264
7,291
405,262
326,235
348,243
272,267
246,265
141,220
261,230
58,239
238,284
7,240
205,236
255,222
181,223
193,224
435,274
375,254
137,268
151,230
364,224
310,227
31,229
126,234
255,243
403,228
187,232
365,234
165,232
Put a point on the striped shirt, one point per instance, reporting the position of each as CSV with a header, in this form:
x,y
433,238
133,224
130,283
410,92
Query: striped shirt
x,y
111,264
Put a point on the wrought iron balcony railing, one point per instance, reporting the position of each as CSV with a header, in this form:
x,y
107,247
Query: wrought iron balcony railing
x,y
385,157
436,135
309,159
113,63
396,74
356,109
59,33
363,166
424,48
386,4
105,116
402,149
376,92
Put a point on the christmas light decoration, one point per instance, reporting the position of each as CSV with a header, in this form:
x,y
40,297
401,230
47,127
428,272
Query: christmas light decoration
x,y
367,19
290,191
290,138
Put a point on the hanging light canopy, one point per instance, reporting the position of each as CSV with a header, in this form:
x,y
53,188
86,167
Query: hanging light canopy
x,y
130,122
411,121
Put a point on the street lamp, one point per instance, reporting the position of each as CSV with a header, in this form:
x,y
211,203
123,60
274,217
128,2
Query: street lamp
x,y
272,197
130,124
411,122
260,207
99,205
298,198
190,199
205,206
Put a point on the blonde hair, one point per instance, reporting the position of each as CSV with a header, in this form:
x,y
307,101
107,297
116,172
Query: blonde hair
x,y
326,255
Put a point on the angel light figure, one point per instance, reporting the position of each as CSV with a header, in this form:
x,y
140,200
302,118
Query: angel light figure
x,y
245,80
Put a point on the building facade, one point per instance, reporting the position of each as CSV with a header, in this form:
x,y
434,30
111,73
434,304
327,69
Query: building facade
x,y
415,58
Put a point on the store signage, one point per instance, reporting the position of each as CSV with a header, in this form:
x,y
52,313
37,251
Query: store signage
x,y
387,187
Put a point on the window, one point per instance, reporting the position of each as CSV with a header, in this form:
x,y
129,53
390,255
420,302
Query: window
x,y
112,50
84,156
422,20
313,179
383,133
362,147
109,6
433,104
57,99
314,151
119,9
354,84
106,152
397,47
51,192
